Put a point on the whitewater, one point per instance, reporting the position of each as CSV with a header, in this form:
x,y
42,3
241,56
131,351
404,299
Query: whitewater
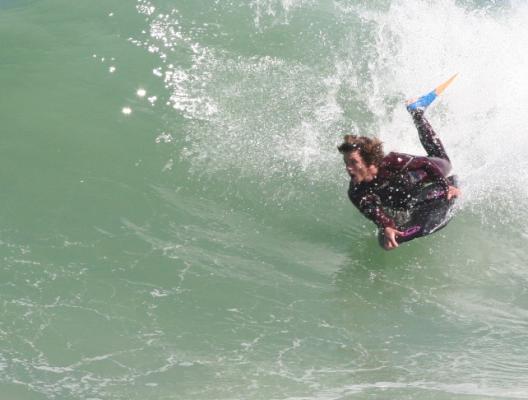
x,y
175,223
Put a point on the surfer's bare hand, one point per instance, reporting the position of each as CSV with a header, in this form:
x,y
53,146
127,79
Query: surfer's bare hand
x,y
390,238
453,192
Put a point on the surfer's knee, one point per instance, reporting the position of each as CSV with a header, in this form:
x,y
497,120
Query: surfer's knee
x,y
444,164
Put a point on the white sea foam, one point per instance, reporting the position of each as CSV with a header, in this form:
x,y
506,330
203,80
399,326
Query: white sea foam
x,y
275,10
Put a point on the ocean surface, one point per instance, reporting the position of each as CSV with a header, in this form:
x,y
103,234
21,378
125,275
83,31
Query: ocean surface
x,y
173,215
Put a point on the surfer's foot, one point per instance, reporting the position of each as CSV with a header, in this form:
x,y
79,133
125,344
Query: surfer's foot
x,y
420,103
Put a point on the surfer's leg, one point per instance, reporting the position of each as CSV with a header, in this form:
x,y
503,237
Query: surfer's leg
x,y
443,164
430,141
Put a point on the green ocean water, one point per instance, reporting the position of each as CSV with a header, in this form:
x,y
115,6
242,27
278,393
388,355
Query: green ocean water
x,y
174,221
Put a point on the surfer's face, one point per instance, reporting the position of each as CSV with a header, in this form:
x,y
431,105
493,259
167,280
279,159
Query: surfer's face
x,y
356,167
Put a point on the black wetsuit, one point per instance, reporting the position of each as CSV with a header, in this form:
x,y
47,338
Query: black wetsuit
x,y
409,192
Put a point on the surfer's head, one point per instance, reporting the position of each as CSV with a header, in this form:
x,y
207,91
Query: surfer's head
x,y
362,156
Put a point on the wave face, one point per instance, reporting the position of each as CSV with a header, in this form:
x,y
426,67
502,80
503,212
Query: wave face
x,y
175,222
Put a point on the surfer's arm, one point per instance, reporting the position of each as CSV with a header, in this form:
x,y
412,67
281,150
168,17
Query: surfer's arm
x,y
370,206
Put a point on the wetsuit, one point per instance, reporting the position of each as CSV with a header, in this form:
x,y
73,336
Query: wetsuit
x,y
395,197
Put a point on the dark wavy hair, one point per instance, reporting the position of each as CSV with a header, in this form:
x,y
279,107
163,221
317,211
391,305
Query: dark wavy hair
x,y
370,150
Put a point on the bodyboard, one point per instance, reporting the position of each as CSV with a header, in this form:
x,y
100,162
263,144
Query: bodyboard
x,y
430,213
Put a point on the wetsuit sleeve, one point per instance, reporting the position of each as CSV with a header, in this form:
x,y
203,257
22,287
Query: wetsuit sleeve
x,y
370,206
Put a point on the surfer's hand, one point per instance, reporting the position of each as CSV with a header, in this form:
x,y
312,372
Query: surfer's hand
x,y
453,192
390,237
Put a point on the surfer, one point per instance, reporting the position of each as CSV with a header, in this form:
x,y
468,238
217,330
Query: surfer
x,y
385,187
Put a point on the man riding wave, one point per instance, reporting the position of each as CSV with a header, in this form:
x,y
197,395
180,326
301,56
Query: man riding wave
x,y
381,185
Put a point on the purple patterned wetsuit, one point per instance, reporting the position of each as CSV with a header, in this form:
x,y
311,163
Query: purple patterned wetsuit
x,y
400,179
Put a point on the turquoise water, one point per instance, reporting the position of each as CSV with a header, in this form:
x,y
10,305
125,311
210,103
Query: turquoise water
x,y
174,220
